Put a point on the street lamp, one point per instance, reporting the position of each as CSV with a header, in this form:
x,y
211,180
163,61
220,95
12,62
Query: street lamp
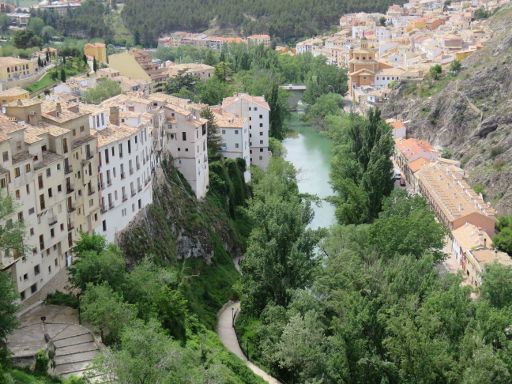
x,y
233,317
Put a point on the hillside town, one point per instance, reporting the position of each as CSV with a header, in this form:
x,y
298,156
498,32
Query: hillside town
x,y
75,167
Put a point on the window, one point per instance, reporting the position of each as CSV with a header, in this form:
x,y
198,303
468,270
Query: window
x,y
261,149
261,125
59,188
27,168
41,201
36,270
31,211
104,224
50,193
25,276
82,128
18,195
223,131
52,232
129,146
40,181
48,172
33,288
113,151
261,141
184,136
31,231
120,150
261,116
17,172
5,156
236,145
236,131
20,217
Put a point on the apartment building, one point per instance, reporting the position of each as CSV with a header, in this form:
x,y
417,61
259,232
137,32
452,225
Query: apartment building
x,y
473,249
257,111
125,172
32,176
234,134
14,71
185,139
452,200
408,152
50,171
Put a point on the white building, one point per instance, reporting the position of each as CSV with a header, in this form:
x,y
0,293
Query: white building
x,y
185,139
125,174
234,133
257,111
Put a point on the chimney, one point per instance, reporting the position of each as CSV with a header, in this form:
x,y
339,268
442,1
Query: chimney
x,y
58,108
114,115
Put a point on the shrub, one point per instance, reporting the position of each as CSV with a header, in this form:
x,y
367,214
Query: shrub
x,y
42,360
61,298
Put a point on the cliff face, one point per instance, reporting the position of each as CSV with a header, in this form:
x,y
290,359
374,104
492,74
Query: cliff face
x,y
177,226
470,115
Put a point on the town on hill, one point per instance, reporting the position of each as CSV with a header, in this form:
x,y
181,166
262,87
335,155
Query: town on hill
x,y
229,195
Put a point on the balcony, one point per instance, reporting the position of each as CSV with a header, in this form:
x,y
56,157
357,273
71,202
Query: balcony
x,y
125,198
139,188
89,156
69,188
68,169
131,171
70,225
111,205
91,191
71,208
133,192
52,220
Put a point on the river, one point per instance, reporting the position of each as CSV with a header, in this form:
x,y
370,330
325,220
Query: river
x,y
310,153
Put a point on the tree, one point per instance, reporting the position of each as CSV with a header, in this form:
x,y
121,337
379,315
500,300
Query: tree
x,y
97,263
435,71
382,21
223,71
106,310
279,254
361,168
94,64
104,89
406,227
277,114
455,67
326,105
4,23
36,25
8,307
503,238
214,141
497,285
148,355
63,75
26,39
47,33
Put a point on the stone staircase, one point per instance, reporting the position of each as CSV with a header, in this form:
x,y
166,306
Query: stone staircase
x,y
75,349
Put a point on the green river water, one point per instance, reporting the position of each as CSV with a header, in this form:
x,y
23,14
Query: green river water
x,y
310,153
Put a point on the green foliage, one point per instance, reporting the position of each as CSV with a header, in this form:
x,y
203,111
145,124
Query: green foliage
x,y
326,106
26,39
406,227
455,67
42,360
105,89
286,20
497,286
435,71
214,140
481,13
279,254
97,263
361,168
503,239
86,21
61,298
106,311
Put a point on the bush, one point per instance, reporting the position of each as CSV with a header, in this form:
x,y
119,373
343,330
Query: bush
x,y
42,361
61,298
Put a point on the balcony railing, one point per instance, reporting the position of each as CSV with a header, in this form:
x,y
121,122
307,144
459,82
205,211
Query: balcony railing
x,y
91,191
125,198
69,188
52,220
133,192
89,156
71,208
68,169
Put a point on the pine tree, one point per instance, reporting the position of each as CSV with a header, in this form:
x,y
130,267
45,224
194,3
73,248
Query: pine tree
x,y
94,65
63,75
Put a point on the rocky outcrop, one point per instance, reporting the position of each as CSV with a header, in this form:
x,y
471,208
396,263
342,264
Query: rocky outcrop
x,y
177,226
470,115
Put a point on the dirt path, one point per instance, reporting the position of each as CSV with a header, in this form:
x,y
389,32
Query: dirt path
x,y
228,337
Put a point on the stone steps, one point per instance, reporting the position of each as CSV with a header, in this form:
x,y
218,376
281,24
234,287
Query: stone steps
x,y
75,340
87,346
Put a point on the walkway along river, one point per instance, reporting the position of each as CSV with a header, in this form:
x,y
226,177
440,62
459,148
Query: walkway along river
x,y
310,153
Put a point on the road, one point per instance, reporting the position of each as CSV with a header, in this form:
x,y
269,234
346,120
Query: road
x,y
228,337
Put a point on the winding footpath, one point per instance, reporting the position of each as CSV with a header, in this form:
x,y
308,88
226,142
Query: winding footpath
x,y
228,337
